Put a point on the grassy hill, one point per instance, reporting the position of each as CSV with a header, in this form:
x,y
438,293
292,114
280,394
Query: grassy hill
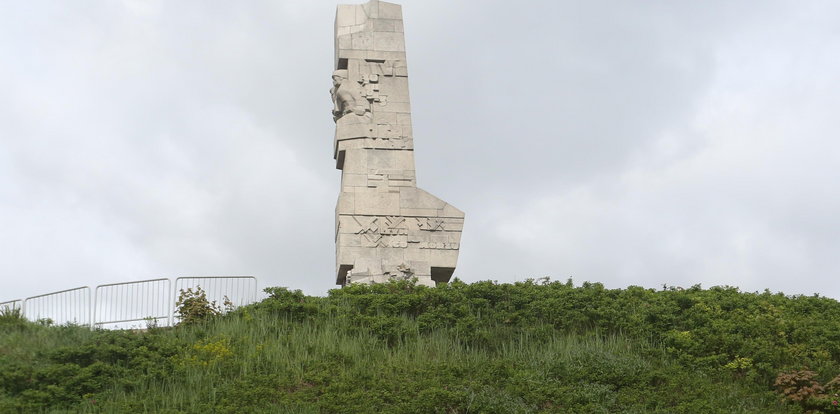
x,y
530,347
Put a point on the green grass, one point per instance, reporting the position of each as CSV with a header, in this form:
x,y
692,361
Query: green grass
x,y
480,348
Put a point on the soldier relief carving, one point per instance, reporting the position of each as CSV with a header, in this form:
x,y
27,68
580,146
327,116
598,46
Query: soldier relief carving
x,y
348,97
386,227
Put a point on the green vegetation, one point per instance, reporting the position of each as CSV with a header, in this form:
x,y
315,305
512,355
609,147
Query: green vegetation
x,y
536,346
193,307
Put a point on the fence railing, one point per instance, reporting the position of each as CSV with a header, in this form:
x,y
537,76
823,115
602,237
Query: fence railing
x,y
11,305
124,305
62,307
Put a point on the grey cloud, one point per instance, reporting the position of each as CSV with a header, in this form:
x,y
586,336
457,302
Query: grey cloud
x,y
627,143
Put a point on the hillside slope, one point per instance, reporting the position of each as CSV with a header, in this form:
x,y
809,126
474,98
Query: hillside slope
x,y
528,347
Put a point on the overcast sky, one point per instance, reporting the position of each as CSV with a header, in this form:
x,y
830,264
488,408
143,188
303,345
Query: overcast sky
x,y
628,143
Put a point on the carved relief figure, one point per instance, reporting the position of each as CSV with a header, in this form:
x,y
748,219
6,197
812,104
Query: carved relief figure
x,y
348,96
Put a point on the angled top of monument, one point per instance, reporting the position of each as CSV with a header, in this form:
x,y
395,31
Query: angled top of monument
x,y
372,17
386,227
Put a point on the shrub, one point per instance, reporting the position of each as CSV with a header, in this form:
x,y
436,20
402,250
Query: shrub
x,y
802,388
193,306
11,317
533,346
290,303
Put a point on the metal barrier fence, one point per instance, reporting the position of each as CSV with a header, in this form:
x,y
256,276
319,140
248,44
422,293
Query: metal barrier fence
x,y
62,307
237,290
124,305
11,305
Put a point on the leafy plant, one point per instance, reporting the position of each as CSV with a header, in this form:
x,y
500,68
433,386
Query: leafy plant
x,y
208,352
11,316
802,388
192,306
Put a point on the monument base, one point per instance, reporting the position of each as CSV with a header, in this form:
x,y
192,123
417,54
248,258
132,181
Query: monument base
x,y
421,280
372,270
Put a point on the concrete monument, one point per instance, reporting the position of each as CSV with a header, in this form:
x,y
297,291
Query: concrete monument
x,y
386,227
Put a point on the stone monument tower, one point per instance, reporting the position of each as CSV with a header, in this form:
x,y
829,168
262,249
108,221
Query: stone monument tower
x,y
386,227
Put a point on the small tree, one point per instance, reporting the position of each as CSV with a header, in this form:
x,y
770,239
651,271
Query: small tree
x,y
802,388
193,306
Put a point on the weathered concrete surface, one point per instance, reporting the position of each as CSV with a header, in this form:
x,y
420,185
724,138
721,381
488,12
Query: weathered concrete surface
x,y
386,227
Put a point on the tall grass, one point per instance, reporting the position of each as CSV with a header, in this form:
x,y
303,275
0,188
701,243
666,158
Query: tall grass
x,y
281,365
324,359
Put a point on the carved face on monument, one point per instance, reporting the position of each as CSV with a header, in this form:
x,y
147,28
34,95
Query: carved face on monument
x,y
338,76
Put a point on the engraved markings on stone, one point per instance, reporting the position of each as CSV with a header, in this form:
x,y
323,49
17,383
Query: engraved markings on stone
x,y
368,225
369,229
388,231
391,231
394,225
388,67
439,245
430,224
371,84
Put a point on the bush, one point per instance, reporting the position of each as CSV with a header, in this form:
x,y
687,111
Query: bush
x,y
193,306
533,346
11,317
802,388
290,303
